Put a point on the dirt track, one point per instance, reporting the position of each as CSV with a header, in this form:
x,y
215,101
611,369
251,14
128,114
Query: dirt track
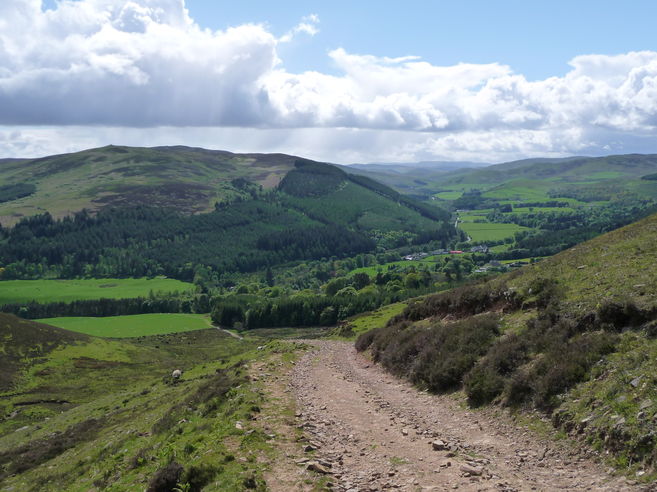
x,y
372,431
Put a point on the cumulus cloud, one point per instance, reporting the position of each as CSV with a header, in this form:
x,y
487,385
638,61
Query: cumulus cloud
x,y
147,64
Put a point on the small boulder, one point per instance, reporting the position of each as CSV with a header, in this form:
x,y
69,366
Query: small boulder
x,y
472,470
439,445
317,467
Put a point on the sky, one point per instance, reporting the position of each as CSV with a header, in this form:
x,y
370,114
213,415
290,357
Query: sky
x,y
339,81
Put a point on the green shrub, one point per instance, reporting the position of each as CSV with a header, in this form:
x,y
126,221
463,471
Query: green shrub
x,y
450,351
564,366
463,301
614,315
402,350
544,292
166,478
198,476
561,367
482,385
486,380
364,340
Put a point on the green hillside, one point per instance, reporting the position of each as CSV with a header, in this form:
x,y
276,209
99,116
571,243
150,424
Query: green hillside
x,y
573,336
317,211
184,178
84,413
558,177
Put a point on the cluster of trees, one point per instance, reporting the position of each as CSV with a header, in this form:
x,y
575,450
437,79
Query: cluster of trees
x,y
472,200
255,231
424,209
200,303
144,241
310,179
343,297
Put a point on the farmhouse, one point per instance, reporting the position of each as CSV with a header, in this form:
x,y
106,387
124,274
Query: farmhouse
x,y
415,256
479,249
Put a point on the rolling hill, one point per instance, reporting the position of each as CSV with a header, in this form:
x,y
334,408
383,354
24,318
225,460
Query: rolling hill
x,y
570,177
184,178
315,211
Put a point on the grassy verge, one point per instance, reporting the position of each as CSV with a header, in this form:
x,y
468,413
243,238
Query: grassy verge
x,y
367,321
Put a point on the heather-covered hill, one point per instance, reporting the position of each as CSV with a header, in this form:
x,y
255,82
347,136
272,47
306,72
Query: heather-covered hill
x,y
184,178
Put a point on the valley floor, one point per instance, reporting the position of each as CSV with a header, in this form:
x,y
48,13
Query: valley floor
x,y
378,433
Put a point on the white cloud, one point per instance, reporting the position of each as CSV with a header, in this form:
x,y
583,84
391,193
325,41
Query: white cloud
x,y
147,64
340,145
308,25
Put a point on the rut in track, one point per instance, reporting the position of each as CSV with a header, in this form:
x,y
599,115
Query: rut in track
x,y
372,431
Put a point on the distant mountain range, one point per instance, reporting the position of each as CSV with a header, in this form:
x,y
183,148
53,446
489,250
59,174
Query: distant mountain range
x,y
193,180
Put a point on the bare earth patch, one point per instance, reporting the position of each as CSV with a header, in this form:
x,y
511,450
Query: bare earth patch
x,y
372,431
276,420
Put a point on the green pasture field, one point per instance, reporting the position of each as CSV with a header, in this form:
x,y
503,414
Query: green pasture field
x,y
137,325
490,231
518,193
526,210
21,291
449,195
401,265
472,216
500,248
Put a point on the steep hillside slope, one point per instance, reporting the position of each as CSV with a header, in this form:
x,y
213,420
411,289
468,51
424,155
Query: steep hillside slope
x,y
184,178
573,336
317,211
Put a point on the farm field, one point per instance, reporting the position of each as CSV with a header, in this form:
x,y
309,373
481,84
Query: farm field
x,y
21,291
400,265
490,231
449,195
132,326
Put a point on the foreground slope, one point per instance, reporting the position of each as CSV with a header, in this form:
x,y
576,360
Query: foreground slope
x,y
85,413
572,336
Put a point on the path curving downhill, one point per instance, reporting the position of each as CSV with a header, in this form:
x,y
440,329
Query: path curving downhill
x,y
370,431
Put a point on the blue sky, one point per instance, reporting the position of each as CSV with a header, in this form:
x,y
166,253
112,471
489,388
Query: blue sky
x,y
340,81
536,38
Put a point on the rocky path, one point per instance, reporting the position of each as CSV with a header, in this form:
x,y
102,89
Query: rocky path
x,y
367,430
